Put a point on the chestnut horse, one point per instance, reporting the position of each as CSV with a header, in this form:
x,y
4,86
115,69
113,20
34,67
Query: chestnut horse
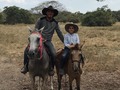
x,y
72,67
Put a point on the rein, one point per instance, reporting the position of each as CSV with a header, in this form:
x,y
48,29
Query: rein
x,y
72,59
40,48
73,62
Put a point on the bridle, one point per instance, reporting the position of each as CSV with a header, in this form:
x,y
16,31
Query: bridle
x,y
40,47
73,61
76,60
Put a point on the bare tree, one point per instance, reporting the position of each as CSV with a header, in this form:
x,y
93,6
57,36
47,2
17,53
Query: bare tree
x,y
100,0
57,5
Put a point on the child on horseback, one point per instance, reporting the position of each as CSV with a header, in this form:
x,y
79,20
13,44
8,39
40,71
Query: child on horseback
x,y
70,40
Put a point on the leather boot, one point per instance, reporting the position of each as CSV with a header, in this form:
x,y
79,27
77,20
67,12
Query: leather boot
x,y
24,70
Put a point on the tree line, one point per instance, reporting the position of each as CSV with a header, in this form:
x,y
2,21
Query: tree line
x,y
101,17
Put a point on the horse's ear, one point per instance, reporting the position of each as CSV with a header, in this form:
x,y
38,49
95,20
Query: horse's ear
x,y
81,45
36,30
30,29
77,45
40,30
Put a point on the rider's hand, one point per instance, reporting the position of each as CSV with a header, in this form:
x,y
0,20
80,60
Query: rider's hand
x,y
71,46
43,39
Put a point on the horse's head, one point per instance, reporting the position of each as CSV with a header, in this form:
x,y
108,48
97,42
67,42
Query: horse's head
x,y
35,44
76,56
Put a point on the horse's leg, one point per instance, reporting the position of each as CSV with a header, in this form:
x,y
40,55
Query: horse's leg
x,y
39,83
32,82
59,81
78,82
44,82
65,80
51,82
70,83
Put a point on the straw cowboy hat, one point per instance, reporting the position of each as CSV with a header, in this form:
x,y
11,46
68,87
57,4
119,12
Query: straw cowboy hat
x,y
71,24
50,8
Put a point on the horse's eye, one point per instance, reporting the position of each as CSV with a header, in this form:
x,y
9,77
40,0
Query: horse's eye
x,y
38,39
79,52
29,39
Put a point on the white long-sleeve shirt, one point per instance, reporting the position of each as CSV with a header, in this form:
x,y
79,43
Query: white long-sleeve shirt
x,y
71,39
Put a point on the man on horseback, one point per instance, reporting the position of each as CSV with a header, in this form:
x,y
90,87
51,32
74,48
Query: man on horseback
x,y
50,25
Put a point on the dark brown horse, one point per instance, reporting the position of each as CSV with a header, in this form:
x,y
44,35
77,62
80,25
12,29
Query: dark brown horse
x,y
72,67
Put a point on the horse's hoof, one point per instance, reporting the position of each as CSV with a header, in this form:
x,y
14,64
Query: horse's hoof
x,y
61,72
51,73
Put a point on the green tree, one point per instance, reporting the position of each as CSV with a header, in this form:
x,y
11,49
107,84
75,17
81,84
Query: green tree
x,y
100,17
116,15
66,16
25,17
2,18
11,14
17,15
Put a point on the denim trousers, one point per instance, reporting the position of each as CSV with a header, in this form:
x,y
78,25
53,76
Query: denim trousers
x,y
64,57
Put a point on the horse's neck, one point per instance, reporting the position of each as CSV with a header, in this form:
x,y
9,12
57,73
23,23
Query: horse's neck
x,y
70,59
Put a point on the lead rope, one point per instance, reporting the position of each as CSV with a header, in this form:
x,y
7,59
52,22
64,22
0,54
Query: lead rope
x,y
41,46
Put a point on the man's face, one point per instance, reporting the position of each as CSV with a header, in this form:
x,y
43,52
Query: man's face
x,y
50,14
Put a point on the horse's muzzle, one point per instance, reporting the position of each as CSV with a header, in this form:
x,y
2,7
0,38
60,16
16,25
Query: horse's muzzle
x,y
31,54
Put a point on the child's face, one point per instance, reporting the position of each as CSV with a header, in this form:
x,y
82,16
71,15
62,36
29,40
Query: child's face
x,y
71,29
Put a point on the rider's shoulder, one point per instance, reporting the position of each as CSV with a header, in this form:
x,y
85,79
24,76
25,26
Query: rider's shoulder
x,y
55,21
42,18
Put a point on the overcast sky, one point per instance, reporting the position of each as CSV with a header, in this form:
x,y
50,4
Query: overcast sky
x,y
71,5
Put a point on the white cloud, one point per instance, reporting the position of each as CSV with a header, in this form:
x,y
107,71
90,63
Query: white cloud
x,y
12,1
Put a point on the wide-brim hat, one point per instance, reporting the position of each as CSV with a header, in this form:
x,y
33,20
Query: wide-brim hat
x,y
50,8
68,25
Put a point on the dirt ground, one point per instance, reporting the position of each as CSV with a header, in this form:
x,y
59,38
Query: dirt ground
x,y
102,51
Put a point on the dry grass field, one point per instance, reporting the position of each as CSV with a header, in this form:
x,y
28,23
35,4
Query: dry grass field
x,y
102,51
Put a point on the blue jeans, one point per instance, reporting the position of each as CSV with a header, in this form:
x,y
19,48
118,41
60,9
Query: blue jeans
x,y
51,52
65,57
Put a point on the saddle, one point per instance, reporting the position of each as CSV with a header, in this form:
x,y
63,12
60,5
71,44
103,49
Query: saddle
x,y
59,51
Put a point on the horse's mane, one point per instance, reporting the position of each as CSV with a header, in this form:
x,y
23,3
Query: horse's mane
x,y
34,31
76,47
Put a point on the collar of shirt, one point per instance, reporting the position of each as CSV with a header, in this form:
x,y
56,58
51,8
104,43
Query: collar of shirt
x,y
71,34
49,20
